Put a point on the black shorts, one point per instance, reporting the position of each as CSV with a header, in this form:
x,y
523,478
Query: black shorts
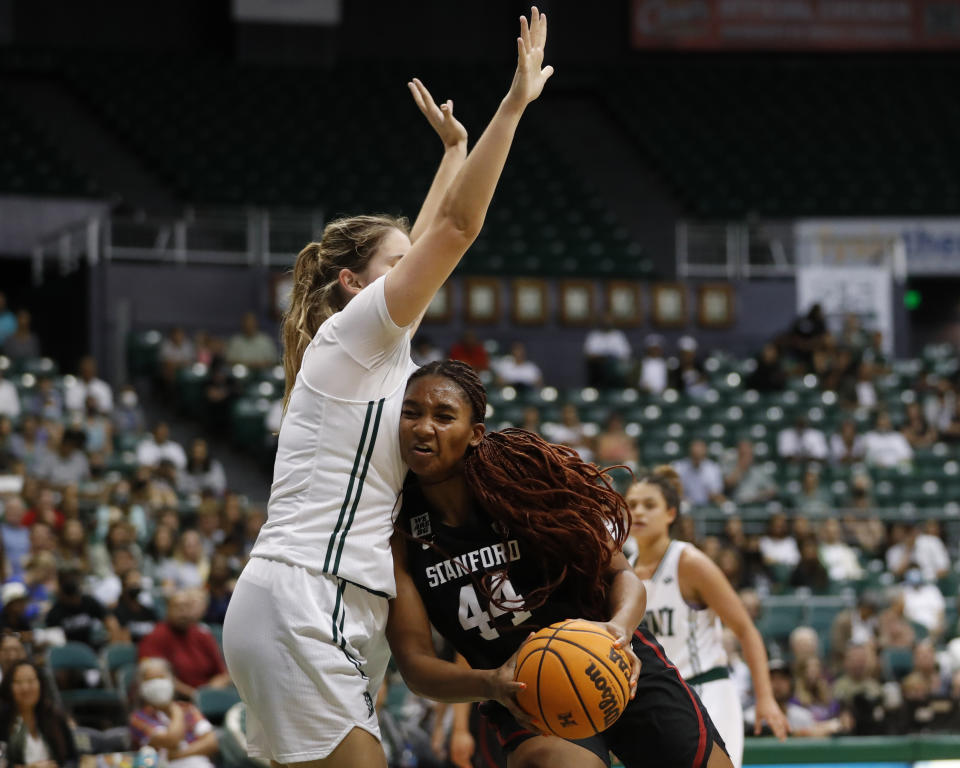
x,y
665,724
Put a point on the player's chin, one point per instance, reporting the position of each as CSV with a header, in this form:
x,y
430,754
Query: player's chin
x,y
421,464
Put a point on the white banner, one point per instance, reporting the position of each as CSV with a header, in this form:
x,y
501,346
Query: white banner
x,y
863,291
931,245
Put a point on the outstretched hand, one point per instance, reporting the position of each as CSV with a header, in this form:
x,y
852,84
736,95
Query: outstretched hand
x,y
448,128
531,75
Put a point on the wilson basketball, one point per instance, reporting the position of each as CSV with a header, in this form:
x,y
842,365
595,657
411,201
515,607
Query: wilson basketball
x,y
578,684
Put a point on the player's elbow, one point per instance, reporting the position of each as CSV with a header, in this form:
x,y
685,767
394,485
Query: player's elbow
x,y
459,224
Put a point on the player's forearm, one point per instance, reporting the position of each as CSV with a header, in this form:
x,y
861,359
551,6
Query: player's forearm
x,y
450,165
466,201
444,681
627,600
755,656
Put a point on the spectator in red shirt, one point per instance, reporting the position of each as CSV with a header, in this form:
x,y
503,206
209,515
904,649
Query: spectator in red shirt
x,y
191,650
45,511
471,351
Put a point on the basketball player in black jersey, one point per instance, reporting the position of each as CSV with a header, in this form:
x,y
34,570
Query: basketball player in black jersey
x,y
501,534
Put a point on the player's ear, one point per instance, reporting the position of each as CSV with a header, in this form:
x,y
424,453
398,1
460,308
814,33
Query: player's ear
x,y
350,281
479,430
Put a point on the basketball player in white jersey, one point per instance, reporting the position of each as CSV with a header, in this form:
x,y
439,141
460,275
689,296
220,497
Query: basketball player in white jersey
x,y
304,634
687,599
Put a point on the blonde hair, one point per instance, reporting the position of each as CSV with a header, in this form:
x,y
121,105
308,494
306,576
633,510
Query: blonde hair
x,y
346,243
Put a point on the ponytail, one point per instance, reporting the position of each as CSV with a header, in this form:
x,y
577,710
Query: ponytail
x,y
347,243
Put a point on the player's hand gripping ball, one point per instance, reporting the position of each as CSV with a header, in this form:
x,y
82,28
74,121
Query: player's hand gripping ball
x,y
578,683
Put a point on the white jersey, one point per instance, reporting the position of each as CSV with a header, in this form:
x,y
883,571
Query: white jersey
x,y
691,636
338,471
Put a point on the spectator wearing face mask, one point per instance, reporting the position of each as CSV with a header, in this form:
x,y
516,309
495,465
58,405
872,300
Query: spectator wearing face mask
x,y
176,729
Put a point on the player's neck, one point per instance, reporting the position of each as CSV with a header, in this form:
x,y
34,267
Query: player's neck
x,y
651,551
451,499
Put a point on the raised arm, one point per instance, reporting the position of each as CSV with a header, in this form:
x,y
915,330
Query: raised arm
x,y
412,283
710,587
454,138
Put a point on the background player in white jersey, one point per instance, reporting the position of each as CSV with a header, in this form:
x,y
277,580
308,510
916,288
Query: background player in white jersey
x,y
304,634
687,599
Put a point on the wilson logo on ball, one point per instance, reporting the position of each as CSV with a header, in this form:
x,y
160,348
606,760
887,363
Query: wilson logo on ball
x,y
609,705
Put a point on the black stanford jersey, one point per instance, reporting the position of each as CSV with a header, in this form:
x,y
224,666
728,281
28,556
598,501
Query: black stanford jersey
x,y
447,576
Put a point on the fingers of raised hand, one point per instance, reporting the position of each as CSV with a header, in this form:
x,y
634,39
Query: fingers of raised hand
x,y
525,32
538,27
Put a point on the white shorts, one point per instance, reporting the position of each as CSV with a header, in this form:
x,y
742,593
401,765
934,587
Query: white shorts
x,y
722,701
307,653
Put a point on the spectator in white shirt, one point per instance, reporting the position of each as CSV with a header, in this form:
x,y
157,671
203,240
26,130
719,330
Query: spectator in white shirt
x,y
88,385
158,446
778,547
653,366
846,446
9,398
251,347
701,476
919,550
569,432
802,442
923,603
866,391
607,352
176,352
838,557
516,370
884,446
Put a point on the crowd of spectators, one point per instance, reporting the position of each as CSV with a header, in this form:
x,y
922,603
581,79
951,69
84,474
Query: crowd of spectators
x,y
113,536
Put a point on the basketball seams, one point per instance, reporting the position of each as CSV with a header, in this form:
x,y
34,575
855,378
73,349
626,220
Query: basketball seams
x,y
614,672
573,687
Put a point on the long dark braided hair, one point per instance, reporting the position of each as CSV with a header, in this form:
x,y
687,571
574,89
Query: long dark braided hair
x,y
563,509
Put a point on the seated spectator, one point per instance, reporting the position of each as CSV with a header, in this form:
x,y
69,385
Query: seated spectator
x,y
82,618
202,472
220,584
875,352
918,432
35,730
46,402
108,587
607,353
16,536
769,375
653,366
916,713
72,551
40,579
813,689
45,511
189,648
8,321
12,650
748,547
531,420
135,616
97,429
839,558
855,626
865,390
16,609
925,664
176,352
688,376
425,351
158,446
778,547
800,718
846,446
802,442
615,446
67,464
806,334
190,566
570,432
516,370
251,347
470,350
918,550
159,564
745,480
85,385
9,397
923,602
23,343
804,643
809,571
729,561
251,529
859,678
182,736
813,497
701,476
885,447
128,418
893,627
